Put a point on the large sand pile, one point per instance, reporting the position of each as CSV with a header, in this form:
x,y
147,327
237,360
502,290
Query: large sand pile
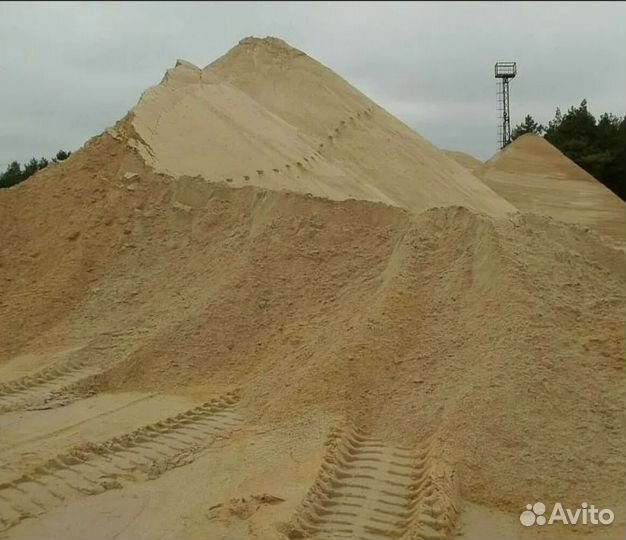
x,y
449,358
535,177
268,115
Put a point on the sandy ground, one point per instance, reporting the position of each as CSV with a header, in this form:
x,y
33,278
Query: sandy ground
x,y
247,474
192,357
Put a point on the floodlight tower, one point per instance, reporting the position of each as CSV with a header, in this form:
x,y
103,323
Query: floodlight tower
x,y
505,71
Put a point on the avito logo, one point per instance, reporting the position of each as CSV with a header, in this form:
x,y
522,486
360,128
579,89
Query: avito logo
x,y
587,514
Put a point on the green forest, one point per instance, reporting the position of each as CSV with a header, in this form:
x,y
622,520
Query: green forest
x,y
16,173
596,145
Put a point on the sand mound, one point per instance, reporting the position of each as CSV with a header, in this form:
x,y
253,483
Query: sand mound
x,y
469,353
268,115
443,325
465,160
535,177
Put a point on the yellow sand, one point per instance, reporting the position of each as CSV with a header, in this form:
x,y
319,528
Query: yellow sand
x,y
469,162
188,357
535,177
268,115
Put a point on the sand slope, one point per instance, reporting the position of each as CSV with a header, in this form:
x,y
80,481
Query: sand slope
x,y
482,345
469,162
535,177
266,114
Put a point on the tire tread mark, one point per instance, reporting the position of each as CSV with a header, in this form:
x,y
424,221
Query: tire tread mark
x,y
142,454
370,490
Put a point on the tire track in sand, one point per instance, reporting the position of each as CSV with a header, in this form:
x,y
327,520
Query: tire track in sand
x,y
30,389
369,490
60,383
142,454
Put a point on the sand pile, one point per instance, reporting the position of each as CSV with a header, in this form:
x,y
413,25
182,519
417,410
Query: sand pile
x,y
488,345
268,115
535,177
465,160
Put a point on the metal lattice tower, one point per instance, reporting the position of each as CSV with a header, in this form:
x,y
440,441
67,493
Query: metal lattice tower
x,y
505,71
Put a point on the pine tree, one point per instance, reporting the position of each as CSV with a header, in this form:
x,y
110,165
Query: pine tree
x,y
62,155
13,175
30,168
527,126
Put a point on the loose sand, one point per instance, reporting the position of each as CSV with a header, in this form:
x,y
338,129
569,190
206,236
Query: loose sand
x,y
535,177
374,345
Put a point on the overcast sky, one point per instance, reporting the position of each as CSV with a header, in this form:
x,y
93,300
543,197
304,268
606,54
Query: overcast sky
x,y
69,70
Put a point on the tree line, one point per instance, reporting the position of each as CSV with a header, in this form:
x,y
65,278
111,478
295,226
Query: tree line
x,y
596,145
16,173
